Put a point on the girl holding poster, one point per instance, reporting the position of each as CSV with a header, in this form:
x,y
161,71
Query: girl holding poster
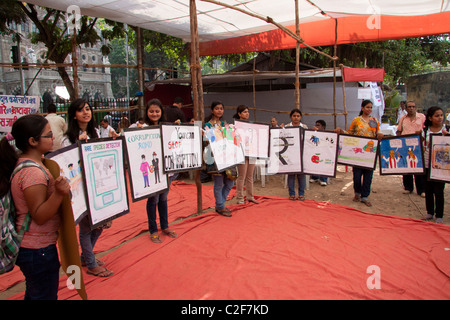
x,y
366,126
153,117
82,127
434,190
222,184
37,197
246,169
296,117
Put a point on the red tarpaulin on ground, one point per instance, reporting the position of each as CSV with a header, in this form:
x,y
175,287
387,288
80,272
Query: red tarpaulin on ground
x,y
282,249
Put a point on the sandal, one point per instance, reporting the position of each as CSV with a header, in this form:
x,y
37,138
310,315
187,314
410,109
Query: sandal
x,y
155,238
224,212
170,233
301,198
102,273
357,198
99,263
367,203
292,198
254,201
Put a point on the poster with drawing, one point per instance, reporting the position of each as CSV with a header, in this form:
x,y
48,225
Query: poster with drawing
x,y
320,153
401,155
439,158
224,149
285,150
69,162
181,147
357,151
105,184
144,155
255,138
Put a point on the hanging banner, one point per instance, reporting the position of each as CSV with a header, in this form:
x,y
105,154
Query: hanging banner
x,y
225,148
14,107
440,158
357,151
181,147
255,138
285,151
320,153
69,162
105,183
401,155
144,154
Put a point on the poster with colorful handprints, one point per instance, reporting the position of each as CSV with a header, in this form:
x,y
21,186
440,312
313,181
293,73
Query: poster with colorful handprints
x,y
401,155
69,162
181,147
440,158
144,155
320,153
357,151
105,183
285,154
225,148
255,138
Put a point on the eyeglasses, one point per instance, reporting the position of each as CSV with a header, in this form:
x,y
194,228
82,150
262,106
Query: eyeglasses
x,y
50,135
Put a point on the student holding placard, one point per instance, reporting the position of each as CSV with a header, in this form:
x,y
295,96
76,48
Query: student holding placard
x,y
434,190
153,117
296,117
245,170
222,184
37,197
366,126
82,127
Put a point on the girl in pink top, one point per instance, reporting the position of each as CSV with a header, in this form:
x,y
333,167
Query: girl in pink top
x,y
34,194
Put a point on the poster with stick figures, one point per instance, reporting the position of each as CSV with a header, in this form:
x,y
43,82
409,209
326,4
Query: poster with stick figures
x,y
144,155
105,183
320,152
401,155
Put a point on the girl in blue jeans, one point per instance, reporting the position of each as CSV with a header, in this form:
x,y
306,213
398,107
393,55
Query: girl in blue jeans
x,y
296,117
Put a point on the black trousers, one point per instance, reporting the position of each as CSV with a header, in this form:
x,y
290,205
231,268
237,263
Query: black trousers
x,y
418,179
434,197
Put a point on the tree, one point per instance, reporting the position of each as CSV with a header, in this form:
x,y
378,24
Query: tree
x,y
52,32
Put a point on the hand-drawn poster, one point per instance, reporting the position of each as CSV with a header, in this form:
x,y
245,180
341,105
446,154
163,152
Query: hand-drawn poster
x,y
14,107
255,138
320,152
285,154
144,153
181,147
69,162
224,149
401,155
105,183
440,158
357,151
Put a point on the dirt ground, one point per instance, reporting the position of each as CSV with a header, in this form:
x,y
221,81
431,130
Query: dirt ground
x,y
386,197
386,194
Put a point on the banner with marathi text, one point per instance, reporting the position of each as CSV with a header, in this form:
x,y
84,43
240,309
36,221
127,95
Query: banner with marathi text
x,y
13,107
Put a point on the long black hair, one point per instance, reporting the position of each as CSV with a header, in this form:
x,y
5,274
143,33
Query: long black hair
x,y
241,108
24,128
154,102
430,112
363,104
73,129
213,105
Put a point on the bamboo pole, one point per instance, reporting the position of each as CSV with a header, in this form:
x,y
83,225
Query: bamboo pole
x,y
140,59
334,73
297,58
341,66
197,88
254,88
74,64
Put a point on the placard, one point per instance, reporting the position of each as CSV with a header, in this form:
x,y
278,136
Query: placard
x,y
225,147
181,147
69,162
401,155
320,153
144,154
439,158
285,150
14,107
255,138
105,183
357,151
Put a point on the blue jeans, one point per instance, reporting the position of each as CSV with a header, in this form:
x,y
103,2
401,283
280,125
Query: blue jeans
x,y
301,184
88,238
41,270
160,201
222,187
362,189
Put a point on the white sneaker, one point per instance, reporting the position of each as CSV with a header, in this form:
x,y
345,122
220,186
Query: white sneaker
x,y
439,220
323,183
313,180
